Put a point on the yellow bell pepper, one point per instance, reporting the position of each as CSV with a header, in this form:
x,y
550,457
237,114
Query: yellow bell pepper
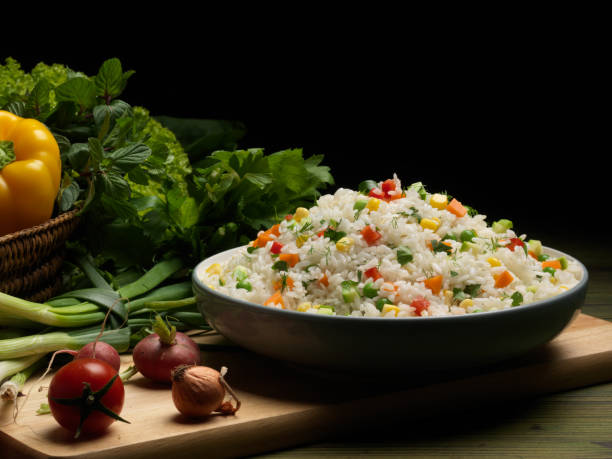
x,y
29,184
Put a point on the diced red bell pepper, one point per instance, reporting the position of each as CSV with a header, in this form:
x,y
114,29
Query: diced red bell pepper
x,y
514,243
276,247
370,235
388,185
376,193
373,273
420,305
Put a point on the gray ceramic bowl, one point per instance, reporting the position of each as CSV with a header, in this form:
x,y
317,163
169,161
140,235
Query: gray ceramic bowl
x,y
355,344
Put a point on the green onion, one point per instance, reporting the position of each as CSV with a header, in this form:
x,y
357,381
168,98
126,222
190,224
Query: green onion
x,y
45,314
349,291
152,278
173,292
240,273
9,367
53,341
84,262
81,308
106,298
170,304
11,388
501,226
358,207
420,189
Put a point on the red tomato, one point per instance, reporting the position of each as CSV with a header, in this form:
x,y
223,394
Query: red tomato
x,y
374,273
370,235
420,305
71,381
388,185
276,247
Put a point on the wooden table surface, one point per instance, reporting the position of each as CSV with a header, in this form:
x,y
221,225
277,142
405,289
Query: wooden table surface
x,y
573,424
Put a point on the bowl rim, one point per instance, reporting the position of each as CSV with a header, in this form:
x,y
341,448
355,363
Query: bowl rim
x,y
484,315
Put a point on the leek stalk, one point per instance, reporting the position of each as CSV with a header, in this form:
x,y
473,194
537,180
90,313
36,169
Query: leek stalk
x,y
13,366
46,314
53,341
11,388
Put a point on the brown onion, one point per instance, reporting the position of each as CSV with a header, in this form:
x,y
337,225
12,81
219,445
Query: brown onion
x,y
197,391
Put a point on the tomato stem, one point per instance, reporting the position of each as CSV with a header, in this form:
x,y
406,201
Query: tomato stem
x,y
89,401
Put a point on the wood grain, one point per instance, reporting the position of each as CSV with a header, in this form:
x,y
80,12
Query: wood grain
x,y
285,406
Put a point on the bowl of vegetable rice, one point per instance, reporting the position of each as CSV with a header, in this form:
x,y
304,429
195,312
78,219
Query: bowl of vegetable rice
x,y
389,277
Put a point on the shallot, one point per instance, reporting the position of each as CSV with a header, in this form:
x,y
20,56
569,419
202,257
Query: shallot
x,y
198,391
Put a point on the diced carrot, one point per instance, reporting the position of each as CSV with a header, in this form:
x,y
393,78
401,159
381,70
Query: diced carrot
x,y
278,285
370,235
556,264
276,298
434,284
324,280
532,254
455,207
265,236
503,279
291,258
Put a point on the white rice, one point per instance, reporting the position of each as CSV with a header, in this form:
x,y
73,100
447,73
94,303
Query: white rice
x,y
468,272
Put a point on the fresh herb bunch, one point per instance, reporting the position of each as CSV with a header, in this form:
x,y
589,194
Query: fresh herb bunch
x,y
142,196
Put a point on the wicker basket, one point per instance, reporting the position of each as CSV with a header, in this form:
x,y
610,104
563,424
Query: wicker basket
x,y
31,259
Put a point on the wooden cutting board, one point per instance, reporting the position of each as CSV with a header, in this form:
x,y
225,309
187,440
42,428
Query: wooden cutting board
x,y
283,406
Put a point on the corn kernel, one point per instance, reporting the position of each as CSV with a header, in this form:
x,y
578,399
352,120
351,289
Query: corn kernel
x,y
300,240
344,244
303,307
494,261
210,286
300,213
215,268
373,204
390,308
466,303
429,223
563,288
553,280
448,296
439,201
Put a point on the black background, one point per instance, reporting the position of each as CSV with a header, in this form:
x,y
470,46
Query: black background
x,y
510,125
